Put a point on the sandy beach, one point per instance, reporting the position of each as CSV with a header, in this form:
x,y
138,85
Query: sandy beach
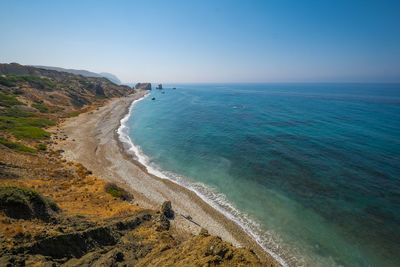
x,y
93,141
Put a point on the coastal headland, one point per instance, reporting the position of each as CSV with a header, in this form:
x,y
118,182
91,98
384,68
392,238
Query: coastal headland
x,y
70,195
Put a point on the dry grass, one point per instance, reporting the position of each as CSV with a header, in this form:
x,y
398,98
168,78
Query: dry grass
x,y
70,185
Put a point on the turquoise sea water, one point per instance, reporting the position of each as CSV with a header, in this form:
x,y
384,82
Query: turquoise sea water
x,y
311,171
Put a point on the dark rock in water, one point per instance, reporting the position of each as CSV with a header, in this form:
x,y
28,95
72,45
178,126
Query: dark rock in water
x,y
166,209
143,86
162,92
159,86
153,98
174,88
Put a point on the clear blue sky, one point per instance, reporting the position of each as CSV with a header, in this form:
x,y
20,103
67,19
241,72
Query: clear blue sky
x,y
208,41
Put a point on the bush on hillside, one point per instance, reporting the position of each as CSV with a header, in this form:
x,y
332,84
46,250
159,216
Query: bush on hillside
x,y
16,146
25,203
118,192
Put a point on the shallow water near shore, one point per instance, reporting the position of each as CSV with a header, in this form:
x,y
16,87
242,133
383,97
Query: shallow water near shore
x,y
311,171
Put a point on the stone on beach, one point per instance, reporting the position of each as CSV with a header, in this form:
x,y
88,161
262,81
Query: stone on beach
x,y
166,209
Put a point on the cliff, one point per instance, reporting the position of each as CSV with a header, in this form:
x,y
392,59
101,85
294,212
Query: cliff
x,y
143,86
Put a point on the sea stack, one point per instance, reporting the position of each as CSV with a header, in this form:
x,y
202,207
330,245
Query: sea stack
x,y
159,86
143,86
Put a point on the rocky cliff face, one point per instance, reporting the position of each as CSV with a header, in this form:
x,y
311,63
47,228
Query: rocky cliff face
x,y
143,86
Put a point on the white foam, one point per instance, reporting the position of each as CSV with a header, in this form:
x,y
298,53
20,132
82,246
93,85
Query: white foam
x,y
215,199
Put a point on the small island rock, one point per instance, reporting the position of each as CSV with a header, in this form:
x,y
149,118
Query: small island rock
x,y
143,86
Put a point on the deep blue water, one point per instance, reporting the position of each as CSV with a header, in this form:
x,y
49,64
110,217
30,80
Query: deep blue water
x,y
311,170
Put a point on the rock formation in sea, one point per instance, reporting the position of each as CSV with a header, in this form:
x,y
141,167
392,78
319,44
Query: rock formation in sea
x,y
143,86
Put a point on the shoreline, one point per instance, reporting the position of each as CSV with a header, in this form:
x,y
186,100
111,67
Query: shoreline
x,y
93,140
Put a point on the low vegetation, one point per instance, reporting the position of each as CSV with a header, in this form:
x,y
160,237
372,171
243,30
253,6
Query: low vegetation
x,y
42,108
20,123
42,147
29,132
118,192
6,82
9,100
16,146
42,82
24,128
74,114
24,203
14,112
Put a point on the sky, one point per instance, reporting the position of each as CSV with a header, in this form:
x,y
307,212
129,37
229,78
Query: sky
x,y
208,41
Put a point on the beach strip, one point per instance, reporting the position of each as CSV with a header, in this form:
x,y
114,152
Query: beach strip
x,y
93,141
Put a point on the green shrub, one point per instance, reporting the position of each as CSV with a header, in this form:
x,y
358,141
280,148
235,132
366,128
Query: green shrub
x,y
16,146
24,203
74,114
53,205
29,132
7,122
42,108
9,100
14,112
100,96
22,127
18,91
118,192
12,193
6,82
42,146
45,82
40,122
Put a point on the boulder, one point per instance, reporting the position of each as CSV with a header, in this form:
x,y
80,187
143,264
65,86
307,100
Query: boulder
x,y
163,223
166,209
204,232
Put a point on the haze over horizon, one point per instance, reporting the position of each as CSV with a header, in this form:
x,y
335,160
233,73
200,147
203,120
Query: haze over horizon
x,y
208,41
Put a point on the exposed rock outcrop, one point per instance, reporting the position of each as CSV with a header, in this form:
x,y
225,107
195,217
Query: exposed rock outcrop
x,y
143,86
26,203
166,209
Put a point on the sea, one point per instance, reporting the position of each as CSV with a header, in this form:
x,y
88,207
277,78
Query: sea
x,y
309,171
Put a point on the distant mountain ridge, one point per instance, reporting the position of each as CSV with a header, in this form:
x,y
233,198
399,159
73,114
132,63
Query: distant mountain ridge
x,y
111,77
85,73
